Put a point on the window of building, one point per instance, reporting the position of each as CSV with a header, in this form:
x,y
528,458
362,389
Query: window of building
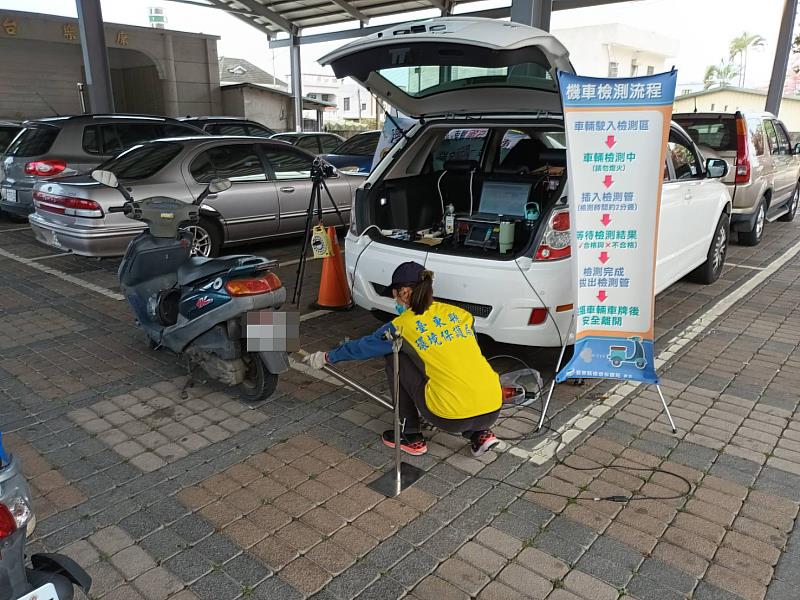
x,y
634,68
712,106
650,69
613,69
346,104
363,106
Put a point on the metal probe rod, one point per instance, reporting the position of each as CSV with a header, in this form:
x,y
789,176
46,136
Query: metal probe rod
x,y
336,373
396,343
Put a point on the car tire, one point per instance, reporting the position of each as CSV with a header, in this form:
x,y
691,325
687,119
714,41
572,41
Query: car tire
x,y
207,238
753,237
711,269
789,216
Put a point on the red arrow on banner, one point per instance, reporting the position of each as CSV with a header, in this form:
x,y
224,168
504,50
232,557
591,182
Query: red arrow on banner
x,y
601,295
604,257
611,141
606,219
608,181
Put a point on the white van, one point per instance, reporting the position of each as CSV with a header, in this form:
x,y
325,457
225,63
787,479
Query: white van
x,y
477,189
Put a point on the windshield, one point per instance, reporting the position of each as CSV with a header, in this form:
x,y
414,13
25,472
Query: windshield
x,y
361,145
142,162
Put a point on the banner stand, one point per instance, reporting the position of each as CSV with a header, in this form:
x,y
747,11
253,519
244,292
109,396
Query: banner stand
x,y
558,368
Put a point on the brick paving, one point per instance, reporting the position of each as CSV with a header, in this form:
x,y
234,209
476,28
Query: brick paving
x,y
164,491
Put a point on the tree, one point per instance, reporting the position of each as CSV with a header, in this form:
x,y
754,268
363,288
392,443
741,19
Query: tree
x,y
720,75
739,48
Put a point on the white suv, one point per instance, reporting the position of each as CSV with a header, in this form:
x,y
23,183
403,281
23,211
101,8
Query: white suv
x,y
477,189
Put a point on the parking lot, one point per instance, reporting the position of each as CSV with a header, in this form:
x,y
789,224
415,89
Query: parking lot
x,y
163,490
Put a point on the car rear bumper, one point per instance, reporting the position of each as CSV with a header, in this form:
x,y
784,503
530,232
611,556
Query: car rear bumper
x,y
95,241
495,292
23,205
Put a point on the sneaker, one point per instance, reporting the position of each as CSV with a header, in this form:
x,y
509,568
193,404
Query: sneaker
x,y
482,441
411,443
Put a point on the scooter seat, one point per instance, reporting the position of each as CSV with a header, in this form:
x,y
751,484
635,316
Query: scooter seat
x,y
200,268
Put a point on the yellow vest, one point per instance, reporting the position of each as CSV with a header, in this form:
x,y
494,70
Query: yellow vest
x,y
461,383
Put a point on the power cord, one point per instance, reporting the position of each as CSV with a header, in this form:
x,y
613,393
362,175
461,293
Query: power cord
x,y
358,258
559,461
549,314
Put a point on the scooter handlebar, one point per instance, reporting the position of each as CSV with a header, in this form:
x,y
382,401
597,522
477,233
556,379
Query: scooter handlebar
x,y
117,209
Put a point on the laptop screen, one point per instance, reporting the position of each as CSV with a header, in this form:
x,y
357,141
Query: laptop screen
x,y
504,198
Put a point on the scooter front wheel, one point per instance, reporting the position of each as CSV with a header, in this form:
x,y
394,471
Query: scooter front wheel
x,y
259,384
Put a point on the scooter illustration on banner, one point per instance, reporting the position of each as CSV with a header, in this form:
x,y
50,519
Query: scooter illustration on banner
x,y
617,355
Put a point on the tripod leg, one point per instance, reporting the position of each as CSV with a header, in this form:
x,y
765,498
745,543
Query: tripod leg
x,y
301,267
333,203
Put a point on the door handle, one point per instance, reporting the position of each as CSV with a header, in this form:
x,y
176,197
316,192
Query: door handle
x,y
287,189
211,197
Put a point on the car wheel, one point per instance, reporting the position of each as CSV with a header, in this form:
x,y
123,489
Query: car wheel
x,y
206,238
789,216
710,270
753,237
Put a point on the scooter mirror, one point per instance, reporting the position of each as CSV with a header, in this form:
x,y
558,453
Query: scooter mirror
x,y
107,178
216,186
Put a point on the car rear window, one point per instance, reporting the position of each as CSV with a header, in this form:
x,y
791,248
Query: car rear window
x,y
34,141
363,144
142,162
717,133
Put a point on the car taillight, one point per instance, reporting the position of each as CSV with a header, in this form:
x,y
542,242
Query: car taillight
x,y
45,168
556,240
742,152
255,285
13,516
65,205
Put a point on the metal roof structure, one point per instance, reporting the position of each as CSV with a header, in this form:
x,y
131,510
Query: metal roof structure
x,y
274,17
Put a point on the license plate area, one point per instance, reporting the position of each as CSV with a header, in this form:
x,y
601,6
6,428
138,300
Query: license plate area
x,y
46,592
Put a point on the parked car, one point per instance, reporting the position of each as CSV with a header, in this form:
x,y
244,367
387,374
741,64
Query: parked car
x,y
355,154
61,146
495,126
229,126
270,194
8,131
316,142
764,176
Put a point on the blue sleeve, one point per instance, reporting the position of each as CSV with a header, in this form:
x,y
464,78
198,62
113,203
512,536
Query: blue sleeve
x,y
369,346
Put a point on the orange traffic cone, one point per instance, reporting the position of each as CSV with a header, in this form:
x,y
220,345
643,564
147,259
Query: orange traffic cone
x,y
334,293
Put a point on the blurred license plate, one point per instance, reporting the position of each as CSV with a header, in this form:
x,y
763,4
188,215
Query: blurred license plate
x,y
10,195
46,592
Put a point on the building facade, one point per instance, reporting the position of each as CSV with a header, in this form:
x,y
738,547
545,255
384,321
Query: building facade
x,y
153,71
729,99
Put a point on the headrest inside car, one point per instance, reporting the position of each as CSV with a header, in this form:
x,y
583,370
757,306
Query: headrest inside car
x,y
461,165
553,157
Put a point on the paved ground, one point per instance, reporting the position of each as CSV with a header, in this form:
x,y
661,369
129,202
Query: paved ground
x,y
160,497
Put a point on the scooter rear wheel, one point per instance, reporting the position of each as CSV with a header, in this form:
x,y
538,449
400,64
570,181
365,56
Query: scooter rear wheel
x,y
259,384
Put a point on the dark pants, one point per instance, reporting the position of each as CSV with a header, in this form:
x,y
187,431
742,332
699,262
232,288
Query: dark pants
x,y
412,401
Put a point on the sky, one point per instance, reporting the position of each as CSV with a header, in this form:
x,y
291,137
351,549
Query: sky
x,y
702,28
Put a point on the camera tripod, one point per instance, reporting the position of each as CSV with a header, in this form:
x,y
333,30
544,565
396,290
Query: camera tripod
x,y
318,173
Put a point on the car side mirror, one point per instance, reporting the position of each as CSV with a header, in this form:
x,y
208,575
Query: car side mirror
x,y
216,186
797,148
716,168
107,178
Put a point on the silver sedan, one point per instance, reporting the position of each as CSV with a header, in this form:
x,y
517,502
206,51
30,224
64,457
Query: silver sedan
x,y
269,198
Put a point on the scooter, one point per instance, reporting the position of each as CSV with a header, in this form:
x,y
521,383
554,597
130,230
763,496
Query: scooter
x,y
50,576
197,307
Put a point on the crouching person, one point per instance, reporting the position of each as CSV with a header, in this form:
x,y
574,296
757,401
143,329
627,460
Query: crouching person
x,y
444,377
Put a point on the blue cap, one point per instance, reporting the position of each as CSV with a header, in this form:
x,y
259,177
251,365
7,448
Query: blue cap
x,y
4,460
407,275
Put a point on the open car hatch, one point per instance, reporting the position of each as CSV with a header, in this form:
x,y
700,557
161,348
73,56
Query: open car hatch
x,y
454,65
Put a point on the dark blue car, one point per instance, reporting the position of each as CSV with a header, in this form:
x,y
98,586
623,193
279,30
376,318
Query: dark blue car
x,y
355,154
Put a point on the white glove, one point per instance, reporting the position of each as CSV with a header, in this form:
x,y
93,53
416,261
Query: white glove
x,y
316,360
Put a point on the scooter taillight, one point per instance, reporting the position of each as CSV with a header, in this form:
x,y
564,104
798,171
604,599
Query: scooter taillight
x,y
13,516
251,286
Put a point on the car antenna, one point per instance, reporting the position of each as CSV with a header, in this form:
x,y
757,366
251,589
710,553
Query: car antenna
x,y
397,125
47,104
